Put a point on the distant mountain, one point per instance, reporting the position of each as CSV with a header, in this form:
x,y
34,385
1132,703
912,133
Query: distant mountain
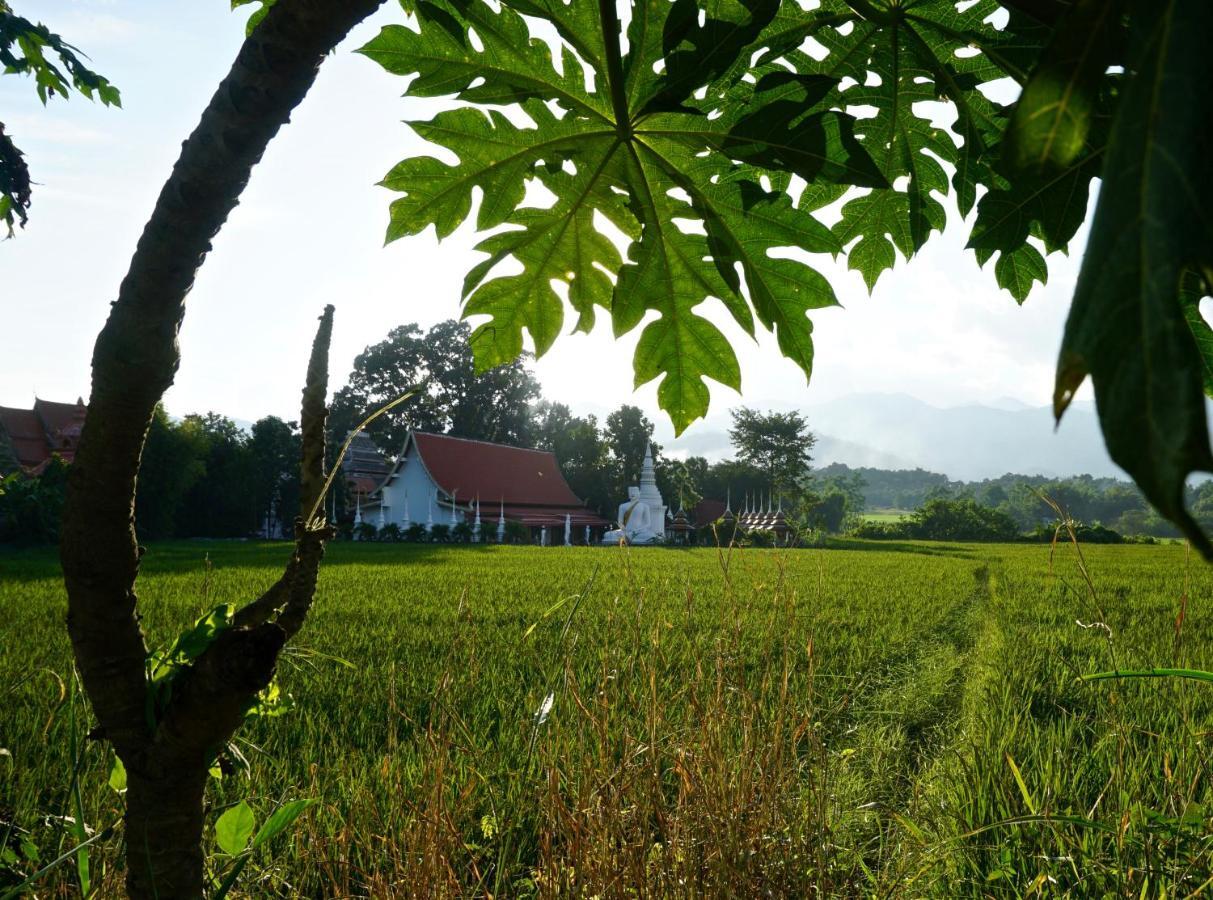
x,y
897,431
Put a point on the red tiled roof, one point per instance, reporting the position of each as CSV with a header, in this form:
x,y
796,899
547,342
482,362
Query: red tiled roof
x,y
26,435
707,511
48,428
494,473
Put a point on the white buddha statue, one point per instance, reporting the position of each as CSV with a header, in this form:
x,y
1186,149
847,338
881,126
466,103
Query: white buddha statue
x,y
641,517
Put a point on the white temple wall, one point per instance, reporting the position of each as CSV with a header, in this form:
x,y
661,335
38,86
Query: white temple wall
x,y
421,489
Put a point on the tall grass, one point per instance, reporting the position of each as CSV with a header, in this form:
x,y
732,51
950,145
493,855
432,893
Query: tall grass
x,y
585,722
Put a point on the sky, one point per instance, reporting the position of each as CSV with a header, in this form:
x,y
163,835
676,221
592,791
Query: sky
x,y
309,231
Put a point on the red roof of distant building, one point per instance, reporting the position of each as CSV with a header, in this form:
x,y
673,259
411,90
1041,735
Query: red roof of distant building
x,y
707,511
35,434
529,482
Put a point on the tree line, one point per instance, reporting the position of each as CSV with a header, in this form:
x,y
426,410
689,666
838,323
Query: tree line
x,y
1109,502
204,476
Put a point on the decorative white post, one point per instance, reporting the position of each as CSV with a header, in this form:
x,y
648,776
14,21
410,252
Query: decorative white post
x,y
587,535
476,524
357,509
454,503
408,520
543,536
381,515
429,516
501,523
568,530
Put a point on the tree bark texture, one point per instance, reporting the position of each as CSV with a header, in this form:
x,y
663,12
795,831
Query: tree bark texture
x,y
134,362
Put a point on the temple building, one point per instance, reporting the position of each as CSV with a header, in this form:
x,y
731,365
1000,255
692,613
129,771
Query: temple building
x,y
29,437
364,468
444,480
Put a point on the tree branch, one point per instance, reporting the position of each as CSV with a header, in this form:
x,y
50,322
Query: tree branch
x,y
136,355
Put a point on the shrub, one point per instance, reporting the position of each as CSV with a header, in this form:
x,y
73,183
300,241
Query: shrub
x,y
390,532
30,507
416,533
440,534
462,533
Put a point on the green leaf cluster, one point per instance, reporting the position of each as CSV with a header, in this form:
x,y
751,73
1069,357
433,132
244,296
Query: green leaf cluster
x,y
697,155
663,196
31,49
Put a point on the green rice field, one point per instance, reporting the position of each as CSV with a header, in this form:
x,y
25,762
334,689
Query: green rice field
x,y
869,720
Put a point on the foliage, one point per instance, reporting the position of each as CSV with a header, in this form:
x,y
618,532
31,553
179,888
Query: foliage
x,y
946,519
30,506
274,447
721,134
776,444
940,664
453,398
581,450
440,533
29,49
642,146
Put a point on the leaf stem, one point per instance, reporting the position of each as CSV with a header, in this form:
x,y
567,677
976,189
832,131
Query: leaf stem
x,y
609,17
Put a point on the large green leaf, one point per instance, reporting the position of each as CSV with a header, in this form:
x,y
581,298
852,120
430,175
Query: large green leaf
x,y
1127,327
887,58
1054,114
671,145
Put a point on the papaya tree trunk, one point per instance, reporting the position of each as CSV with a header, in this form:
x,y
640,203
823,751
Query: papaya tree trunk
x,y
134,362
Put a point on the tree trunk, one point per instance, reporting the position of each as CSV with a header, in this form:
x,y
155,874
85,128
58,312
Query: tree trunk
x,y
134,362
164,819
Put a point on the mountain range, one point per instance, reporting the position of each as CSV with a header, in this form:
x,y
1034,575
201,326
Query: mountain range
x,y
968,443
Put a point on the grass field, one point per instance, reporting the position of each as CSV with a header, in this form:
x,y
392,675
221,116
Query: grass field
x,y
878,720
887,515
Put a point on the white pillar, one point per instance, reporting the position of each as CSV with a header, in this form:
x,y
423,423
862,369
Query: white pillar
x,y
357,510
543,536
587,535
429,515
408,519
476,524
454,503
501,524
568,530
381,517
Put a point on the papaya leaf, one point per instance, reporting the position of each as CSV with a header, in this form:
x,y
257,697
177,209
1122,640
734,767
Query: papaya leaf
x,y
670,143
1191,291
889,58
1053,115
1127,327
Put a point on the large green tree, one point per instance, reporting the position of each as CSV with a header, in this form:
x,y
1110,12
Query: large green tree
x,y
450,397
709,143
776,444
581,450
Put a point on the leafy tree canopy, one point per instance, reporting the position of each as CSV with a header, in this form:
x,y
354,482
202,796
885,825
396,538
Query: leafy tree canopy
x,y
452,398
693,154
776,444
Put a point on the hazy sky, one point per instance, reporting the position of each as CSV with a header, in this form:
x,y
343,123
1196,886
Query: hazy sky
x,y
309,231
